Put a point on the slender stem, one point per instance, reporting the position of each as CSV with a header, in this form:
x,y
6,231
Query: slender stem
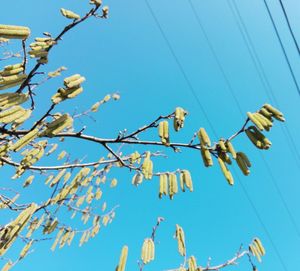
x,y
232,261
71,166
60,35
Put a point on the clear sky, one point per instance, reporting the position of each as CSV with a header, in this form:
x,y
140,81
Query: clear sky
x,y
127,53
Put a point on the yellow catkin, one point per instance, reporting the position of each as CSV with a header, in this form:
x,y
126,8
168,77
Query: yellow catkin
x,y
226,172
259,246
26,115
14,32
58,125
179,118
113,183
257,138
61,155
274,111
192,264
148,251
7,266
25,249
13,229
28,181
179,234
96,2
25,140
243,163
163,131
204,138
255,121
123,258
173,186
163,185
69,14
186,180
137,179
255,252
206,157
147,167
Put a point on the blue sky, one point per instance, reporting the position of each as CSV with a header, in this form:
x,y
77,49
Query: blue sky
x,y
128,54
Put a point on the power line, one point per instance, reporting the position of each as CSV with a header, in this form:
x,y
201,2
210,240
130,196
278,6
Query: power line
x,y
261,221
291,217
269,170
238,105
190,86
282,46
266,83
215,56
289,26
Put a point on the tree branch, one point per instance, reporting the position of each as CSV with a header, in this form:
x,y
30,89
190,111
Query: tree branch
x,y
70,26
75,165
232,261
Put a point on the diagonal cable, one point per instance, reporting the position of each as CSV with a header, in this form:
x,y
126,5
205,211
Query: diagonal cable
x,y
282,46
289,26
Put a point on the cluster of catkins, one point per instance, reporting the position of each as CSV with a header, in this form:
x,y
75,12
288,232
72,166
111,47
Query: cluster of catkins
x,y
40,48
168,183
10,232
262,120
72,88
12,75
163,127
12,112
257,249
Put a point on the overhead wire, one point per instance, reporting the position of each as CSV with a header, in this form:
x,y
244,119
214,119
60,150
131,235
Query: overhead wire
x,y
264,79
249,47
189,84
267,232
194,93
282,46
289,26
269,171
239,107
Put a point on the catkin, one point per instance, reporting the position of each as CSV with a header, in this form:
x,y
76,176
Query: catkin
x,y
163,131
186,180
179,234
257,138
192,264
147,167
11,231
71,90
173,186
123,258
205,144
148,251
179,118
163,185
69,14
243,163
14,32
25,249
226,172
25,140
137,179
58,125
259,246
